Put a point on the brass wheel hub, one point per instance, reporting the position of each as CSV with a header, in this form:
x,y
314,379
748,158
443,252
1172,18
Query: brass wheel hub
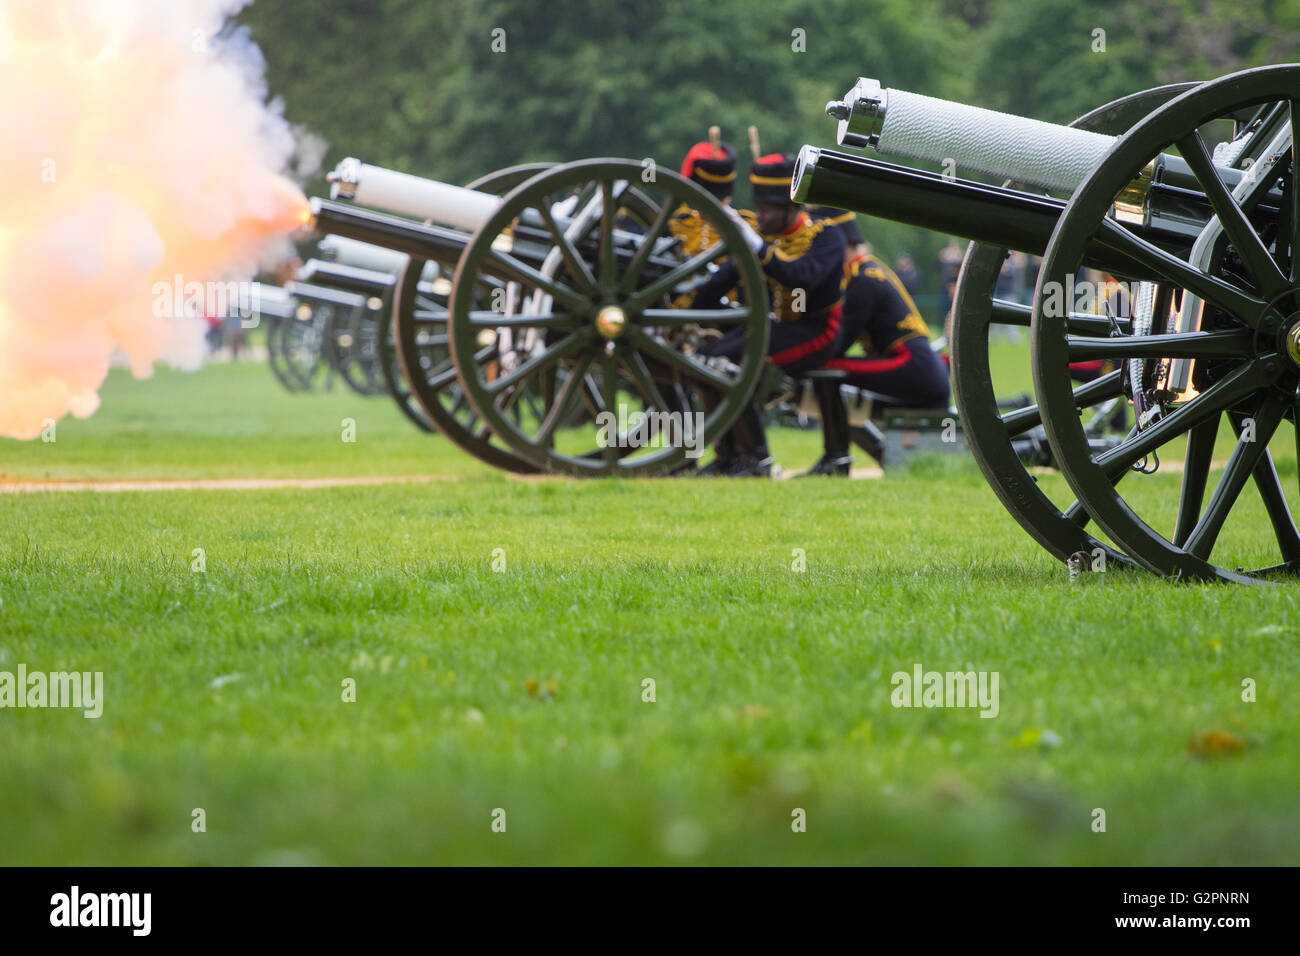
x,y
611,321
1293,343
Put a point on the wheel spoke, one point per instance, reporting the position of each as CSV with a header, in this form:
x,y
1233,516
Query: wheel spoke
x,y
1006,312
643,297
1295,197
562,349
645,383
1244,307
1077,514
1228,343
1250,248
609,398
699,316
1079,323
441,380
607,214
636,266
1220,396
1196,474
565,400
542,320
1241,463
1279,513
1108,386
512,269
573,261
671,357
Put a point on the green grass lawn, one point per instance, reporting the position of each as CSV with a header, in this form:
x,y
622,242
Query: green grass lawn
x,y
772,686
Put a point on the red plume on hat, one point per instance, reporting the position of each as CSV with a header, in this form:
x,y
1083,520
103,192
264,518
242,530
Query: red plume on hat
x,y
770,176
713,166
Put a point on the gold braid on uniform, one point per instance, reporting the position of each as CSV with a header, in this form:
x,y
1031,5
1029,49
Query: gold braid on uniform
x,y
911,326
692,228
793,246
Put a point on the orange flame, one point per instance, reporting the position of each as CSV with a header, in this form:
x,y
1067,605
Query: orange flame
x,y
140,150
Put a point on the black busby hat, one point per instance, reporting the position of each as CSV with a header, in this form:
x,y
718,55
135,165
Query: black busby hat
x,y
842,219
770,176
713,167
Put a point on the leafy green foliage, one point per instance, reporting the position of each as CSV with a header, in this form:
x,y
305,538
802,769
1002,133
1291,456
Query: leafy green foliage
x,y
419,86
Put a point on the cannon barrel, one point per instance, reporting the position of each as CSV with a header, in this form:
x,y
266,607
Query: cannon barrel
x,y
975,211
437,243
365,281
304,291
1166,194
444,245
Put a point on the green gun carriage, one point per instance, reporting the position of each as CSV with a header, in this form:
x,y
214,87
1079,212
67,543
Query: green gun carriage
x,y
563,280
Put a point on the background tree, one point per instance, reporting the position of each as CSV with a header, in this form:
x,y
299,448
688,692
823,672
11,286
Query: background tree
x,y
419,87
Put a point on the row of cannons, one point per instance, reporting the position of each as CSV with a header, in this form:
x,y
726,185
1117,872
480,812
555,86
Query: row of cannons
x,y
515,314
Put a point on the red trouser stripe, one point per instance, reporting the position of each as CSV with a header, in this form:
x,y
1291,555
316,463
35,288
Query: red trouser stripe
x,y
1092,366
796,352
901,355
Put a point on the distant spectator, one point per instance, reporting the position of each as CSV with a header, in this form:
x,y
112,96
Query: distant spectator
x,y
908,274
950,257
286,271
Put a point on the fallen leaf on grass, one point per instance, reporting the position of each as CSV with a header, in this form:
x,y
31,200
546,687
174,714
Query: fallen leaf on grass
x,y
536,688
1036,737
1217,743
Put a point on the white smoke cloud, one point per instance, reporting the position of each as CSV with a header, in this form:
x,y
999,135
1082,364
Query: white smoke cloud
x,y
139,147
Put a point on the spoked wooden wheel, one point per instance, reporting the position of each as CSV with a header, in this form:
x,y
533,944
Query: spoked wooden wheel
x,y
597,332
422,377
275,357
390,368
1224,347
991,432
354,347
304,344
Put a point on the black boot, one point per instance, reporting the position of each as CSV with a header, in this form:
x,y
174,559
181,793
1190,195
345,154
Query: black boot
x,y
829,465
751,445
725,458
835,459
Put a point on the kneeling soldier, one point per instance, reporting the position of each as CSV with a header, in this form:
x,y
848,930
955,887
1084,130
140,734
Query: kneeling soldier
x,y
880,315
802,259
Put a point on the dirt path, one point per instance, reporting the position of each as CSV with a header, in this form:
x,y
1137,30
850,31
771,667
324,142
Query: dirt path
x,y
10,485
18,486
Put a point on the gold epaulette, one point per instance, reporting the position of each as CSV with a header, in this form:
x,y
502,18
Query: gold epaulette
x,y
795,245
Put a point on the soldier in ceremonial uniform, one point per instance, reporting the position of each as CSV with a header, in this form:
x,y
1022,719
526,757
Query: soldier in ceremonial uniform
x,y
802,259
712,166
880,316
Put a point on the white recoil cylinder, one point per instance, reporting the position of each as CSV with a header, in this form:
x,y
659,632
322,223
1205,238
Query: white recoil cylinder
x,y
363,255
997,144
441,203
258,298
